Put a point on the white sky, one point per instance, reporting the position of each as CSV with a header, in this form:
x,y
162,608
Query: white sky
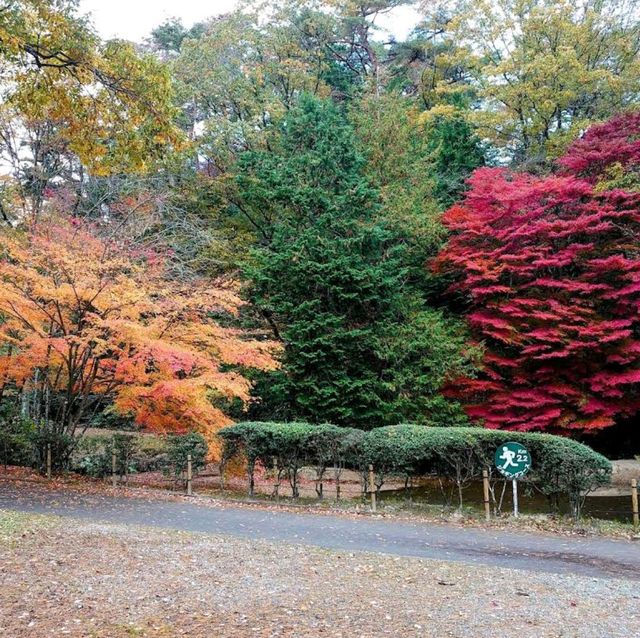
x,y
134,19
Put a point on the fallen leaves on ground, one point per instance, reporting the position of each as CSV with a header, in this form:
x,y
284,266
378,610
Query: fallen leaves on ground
x,y
81,579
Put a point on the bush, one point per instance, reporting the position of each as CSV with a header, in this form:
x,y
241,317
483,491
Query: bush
x,y
134,453
459,454
179,447
413,450
151,454
16,437
560,466
291,446
328,445
62,447
567,467
94,454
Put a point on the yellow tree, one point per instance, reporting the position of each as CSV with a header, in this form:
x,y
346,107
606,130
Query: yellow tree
x,y
71,103
544,69
86,320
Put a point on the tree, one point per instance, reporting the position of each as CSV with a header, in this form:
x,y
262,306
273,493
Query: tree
x,y
418,164
456,151
360,347
353,45
544,69
431,67
88,319
71,103
549,268
238,79
168,37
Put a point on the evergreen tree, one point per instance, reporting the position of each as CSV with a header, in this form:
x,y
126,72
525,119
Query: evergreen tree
x,y
456,152
360,347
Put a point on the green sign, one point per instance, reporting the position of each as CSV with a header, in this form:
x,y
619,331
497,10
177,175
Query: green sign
x,y
512,460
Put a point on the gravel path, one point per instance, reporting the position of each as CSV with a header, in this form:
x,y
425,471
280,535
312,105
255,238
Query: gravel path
x,y
534,552
81,579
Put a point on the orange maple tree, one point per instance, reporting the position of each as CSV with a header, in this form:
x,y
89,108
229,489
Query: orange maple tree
x,y
85,320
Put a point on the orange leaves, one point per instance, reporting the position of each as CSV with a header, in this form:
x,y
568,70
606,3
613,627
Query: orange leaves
x,y
93,319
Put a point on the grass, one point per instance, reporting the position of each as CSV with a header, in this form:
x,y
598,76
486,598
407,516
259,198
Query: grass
x,y
14,525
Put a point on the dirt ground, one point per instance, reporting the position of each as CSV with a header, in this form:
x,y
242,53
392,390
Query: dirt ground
x,y
82,579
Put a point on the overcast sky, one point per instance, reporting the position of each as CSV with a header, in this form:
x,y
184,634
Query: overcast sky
x,y
134,19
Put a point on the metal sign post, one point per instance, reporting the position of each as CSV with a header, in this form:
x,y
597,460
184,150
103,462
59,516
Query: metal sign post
x,y
513,462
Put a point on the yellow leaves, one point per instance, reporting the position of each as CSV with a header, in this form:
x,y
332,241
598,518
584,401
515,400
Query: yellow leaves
x,y
540,66
83,310
440,110
109,105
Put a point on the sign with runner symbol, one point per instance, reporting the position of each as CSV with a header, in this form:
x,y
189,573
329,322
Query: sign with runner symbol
x,y
512,460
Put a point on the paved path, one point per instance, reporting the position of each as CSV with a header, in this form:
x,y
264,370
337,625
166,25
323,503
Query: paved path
x,y
587,556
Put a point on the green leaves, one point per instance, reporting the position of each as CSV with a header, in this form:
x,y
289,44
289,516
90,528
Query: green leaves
x,y
360,346
561,467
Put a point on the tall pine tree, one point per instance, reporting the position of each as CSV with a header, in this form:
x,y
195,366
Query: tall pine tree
x,y
360,346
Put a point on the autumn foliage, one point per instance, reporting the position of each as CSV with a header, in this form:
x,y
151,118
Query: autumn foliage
x,y
550,270
87,320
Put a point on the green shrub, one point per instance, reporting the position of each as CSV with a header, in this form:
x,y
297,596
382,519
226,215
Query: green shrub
x,y
561,467
330,446
151,453
134,453
282,443
566,467
291,446
94,454
16,438
412,450
179,447
62,446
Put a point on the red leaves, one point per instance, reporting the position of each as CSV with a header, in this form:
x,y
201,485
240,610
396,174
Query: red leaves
x,y
550,267
614,142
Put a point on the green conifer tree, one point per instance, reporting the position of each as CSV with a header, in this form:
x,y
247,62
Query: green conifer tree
x,y
360,347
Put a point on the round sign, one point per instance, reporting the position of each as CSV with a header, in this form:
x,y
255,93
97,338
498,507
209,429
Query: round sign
x,y
512,460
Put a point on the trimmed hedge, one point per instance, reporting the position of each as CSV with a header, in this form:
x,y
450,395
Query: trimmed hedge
x,y
561,467
290,446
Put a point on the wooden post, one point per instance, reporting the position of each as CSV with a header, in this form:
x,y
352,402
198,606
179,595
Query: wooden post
x,y
276,475
372,489
634,503
189,475
114,479
49,461
485,490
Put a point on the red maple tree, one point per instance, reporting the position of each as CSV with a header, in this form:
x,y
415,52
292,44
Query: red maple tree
x,y
550,270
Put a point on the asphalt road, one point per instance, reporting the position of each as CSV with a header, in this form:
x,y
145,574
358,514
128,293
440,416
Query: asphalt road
x,y
597,557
